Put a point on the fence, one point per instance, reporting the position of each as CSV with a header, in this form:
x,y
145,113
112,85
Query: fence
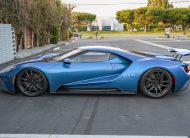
x,y
7,43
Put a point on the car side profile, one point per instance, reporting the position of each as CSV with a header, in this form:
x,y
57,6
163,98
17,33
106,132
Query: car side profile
x,y
99,69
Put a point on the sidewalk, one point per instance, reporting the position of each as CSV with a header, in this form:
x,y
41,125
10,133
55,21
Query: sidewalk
x,y
29,52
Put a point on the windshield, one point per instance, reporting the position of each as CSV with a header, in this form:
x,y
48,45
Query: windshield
x,y
66,55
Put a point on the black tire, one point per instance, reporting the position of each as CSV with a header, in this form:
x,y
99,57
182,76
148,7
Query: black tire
x,y
156,83
31,82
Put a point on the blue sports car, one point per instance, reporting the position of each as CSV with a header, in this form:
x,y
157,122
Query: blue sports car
x,y
99,69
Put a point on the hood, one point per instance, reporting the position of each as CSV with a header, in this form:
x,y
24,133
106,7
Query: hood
x,y
40,58
46,55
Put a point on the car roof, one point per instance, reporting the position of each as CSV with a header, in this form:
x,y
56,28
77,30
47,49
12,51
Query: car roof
x,y
100,48
115,50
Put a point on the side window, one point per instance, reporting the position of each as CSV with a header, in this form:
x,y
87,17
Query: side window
x,y
91,56
112,56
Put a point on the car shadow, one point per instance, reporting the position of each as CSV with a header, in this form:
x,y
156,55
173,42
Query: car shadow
x,y
89,95
138,95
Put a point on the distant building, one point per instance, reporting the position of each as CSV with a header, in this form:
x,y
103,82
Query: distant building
x,y
106,24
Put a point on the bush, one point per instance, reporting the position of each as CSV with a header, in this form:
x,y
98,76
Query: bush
x,y
54,35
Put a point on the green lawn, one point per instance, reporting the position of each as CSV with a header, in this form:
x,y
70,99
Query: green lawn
x,y
113,33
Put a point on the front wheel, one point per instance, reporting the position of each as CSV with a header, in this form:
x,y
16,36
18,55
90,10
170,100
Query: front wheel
x,y
31,82
156,83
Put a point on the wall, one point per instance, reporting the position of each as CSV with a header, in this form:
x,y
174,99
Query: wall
x,y
7,43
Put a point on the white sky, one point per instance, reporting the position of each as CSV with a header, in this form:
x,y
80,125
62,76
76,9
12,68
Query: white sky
x,y
110,10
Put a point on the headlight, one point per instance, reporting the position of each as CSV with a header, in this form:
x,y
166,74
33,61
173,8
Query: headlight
x,y
8,69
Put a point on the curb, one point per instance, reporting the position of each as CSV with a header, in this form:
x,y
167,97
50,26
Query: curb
x,y
29,52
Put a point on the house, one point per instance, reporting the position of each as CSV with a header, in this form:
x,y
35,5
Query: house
x,y
106,24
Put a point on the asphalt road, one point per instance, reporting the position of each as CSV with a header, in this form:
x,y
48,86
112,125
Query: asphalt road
x,y
100,114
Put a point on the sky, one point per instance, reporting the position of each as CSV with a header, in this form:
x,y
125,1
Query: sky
x,y
110,10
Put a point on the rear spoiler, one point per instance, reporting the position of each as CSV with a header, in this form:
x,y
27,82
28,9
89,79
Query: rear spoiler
x,y
179,53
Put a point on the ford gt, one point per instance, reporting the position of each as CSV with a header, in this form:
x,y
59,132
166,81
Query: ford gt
x,y
99,69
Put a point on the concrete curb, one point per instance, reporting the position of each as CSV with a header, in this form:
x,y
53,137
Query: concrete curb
x,y
29,52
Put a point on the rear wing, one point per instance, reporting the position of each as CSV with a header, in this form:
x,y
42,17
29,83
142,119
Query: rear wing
x,y
179,53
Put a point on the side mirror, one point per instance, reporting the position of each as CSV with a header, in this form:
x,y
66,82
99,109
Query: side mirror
x,y
67,61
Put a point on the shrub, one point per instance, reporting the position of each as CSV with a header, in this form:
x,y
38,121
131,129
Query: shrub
x,y
54,35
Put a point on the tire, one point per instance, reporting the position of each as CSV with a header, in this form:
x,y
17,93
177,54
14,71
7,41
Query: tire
x,y
156,83
31,82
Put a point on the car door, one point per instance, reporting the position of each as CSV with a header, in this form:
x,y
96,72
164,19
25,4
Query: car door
x,y
89,69
119,65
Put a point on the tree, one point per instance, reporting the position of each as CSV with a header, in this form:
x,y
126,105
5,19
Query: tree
x,y
157,16
12,12
66,22
177,16
126,16
44,17
82,18
143,17
164,4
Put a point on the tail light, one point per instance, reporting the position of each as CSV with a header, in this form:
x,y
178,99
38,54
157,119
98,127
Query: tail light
x,y
187,68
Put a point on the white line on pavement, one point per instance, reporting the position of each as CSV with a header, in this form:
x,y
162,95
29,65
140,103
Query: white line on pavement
x,y
171,41
67,44
153,44
57,48
80,136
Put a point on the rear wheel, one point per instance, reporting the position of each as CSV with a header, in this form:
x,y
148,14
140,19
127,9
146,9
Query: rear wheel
x,y
31,82
156,83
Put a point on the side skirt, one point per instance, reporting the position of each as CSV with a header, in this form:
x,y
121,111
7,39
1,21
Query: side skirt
x,y
92,91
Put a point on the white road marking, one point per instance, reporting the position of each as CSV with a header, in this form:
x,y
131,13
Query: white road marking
x,y
171,41
153,44
67,44
57,48
80,136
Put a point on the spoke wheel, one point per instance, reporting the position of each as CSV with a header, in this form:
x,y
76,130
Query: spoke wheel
x,y
156,83
31,82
